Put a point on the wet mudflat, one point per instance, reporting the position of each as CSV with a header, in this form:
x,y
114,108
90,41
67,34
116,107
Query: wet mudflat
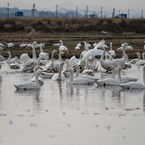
x,y
59,114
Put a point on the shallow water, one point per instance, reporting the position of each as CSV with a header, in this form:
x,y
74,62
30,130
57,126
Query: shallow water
x,y
60,114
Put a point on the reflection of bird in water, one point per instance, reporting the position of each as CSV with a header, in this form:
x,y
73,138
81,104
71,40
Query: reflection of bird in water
x,y
144,101
60,88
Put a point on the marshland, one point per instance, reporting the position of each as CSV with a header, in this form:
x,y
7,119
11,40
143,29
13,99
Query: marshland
x,y
61,113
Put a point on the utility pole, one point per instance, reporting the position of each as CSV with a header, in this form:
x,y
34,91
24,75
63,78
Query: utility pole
x,y
56,11
142,14
8,11
118,13
113,13
86,14
33,11
76,12
101,12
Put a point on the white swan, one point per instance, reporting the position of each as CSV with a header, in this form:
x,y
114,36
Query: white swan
x,y
11,60
78,80
135,85
77,47
87,69
2,45
24,58
37,67
73,61
42,54
30,64
23,45
105,63
53,66
1,57
15,65
115,81
141,61
30,85
122,79
135,60
92,52
121,61
44,61
49,65
62,47
10,45
109,81
83,76
111,51
59,76
127,63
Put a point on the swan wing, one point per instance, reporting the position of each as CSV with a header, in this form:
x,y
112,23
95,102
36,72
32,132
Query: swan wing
x,y
108,82
132,85
92,52
26,86
82,81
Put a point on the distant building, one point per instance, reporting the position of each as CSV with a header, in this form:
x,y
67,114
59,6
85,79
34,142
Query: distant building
x,y
123,15
19,14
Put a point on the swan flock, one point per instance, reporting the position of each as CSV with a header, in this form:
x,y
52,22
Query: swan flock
x,y
85,70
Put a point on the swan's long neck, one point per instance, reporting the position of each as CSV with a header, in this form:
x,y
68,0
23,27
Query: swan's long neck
x,y
103,54
60,57
34,53
41,48
126,57
113,72
124,53
78,71
60,70
110,46
9,58
61,42
138,56
86,47
46,57
36,78
52,55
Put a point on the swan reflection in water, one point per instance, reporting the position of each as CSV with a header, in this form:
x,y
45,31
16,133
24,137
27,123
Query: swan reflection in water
x,y
34,95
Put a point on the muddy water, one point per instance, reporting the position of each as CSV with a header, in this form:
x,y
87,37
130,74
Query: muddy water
x,y
60,114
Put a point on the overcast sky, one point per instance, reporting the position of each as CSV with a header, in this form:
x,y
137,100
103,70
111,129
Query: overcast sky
x,y
46,4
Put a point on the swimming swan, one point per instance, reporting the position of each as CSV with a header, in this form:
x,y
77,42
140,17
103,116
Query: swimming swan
x,y
78,80
135,85
59,76
30,85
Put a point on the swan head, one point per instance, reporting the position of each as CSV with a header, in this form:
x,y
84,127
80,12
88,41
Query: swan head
x,y
9,52
138,54
42,44
103,47
124,44
2,48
